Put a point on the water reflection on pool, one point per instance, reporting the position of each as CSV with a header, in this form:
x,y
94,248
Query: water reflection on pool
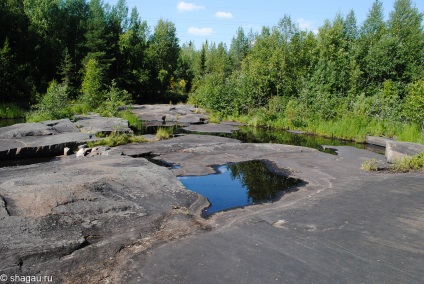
x,y
238,184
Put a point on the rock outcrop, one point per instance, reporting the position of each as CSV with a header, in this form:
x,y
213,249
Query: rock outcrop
x,y
97,124
50,138
70,219
157,115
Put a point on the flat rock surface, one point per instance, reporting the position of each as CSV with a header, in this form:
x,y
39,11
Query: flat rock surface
x,y
72,219
174,145
95,123
174,114
38,129
117,219
343,225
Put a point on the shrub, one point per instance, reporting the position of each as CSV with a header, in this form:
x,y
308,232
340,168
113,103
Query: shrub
x,y
414,103
115,98
53,105
91,88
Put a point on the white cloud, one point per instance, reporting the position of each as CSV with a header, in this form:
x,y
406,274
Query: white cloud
x,y
183,6
307,25
224,15
200,31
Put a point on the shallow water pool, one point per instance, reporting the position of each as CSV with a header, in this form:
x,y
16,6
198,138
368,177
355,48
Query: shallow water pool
x,y
238,184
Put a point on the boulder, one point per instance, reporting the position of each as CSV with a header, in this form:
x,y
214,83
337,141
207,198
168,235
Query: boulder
x,y
397,150
378,141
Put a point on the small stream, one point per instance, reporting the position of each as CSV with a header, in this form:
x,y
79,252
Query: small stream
x,y
248,134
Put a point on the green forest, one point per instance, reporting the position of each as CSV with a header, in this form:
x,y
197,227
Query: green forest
x,y
61,57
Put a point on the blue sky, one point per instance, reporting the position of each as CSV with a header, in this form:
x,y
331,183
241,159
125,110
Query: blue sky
x,y
218,20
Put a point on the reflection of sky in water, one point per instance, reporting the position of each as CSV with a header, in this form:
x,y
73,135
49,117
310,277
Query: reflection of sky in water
x,y
221,190
237,185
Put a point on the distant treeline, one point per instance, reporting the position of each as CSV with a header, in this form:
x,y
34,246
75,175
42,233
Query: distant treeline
x,y
64,40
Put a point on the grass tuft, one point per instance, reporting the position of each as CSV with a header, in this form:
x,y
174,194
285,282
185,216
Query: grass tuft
x,y
116,139
370,165
133,120
164,133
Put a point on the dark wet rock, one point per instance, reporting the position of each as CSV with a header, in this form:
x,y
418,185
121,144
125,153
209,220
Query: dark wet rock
x,y
94,124
397,150
72,219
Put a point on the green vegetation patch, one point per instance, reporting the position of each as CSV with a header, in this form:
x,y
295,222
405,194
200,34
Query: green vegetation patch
x,y
116,139
164,133
8,111
406,164
133,120
370,165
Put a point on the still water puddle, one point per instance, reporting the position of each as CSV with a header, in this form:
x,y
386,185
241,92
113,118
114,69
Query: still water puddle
x,y
248,134
237,185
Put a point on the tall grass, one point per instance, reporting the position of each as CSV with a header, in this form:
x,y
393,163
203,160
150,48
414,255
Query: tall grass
x,y
8,111
133,120
348,127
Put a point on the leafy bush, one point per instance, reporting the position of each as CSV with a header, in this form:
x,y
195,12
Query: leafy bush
x,y
53,105
115,98
414,103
